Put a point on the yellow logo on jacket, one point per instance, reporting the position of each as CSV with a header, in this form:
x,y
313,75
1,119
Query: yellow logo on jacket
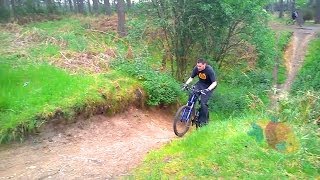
x,y
202,76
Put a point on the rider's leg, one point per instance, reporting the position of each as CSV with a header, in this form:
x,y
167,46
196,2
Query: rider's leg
x,y
204,112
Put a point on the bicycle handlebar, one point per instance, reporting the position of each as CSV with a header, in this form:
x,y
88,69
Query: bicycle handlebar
x,y
194,90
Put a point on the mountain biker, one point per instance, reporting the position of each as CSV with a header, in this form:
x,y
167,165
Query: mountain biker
x,y
207,82
294,15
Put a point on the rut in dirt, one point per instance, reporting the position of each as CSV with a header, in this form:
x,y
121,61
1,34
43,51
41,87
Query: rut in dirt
x,y
96,148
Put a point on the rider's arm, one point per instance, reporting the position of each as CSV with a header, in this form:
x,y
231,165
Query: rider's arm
x,y
212,86
189,80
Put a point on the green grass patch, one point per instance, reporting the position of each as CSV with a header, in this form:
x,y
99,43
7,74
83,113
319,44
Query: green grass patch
x,y
75,42
308,77
44,51
58,26
224,149
32,93
32,90
4,38
239,91
227,100
69,31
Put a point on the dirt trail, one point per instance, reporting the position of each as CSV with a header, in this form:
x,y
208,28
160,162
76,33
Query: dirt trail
x,y
108,147
294,56
97,148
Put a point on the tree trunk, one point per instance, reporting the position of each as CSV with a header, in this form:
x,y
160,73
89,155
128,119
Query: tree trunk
x,y
293,5
49,6
95,6
13,5
2,3
75,5
6,3
70,5
89,6
37,5
317,13
128,4
81,6
60,4
18,3
281,9
107,7
65,5
121,18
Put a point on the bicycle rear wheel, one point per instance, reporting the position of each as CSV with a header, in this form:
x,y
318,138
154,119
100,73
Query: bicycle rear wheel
x,y
181,124
290,22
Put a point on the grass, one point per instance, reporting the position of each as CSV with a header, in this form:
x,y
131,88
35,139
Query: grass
x,y
225,150
275,17
284,38
308,77
32,93
56,27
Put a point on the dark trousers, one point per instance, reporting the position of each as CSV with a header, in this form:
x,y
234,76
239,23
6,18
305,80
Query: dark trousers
x,y
204,111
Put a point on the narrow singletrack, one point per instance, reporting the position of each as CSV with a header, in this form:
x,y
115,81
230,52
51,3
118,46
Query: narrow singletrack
x,y
96,148
294,56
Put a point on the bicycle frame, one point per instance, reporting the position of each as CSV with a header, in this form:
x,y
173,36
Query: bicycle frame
x,y
187,115
191,104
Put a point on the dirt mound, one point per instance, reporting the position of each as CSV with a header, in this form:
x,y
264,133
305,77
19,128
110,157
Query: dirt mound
x,y
100,147
89,62
25,19
105,24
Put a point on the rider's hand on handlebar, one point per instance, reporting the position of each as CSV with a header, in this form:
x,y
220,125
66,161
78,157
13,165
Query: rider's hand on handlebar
x,y
184,86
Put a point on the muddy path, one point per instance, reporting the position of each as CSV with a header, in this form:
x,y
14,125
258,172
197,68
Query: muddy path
x,y
96,148
293,57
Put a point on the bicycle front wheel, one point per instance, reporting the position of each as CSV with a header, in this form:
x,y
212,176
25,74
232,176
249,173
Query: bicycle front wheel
x,y
289,22
181,123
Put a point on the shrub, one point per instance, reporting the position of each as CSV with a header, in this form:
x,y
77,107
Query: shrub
x,y
301,109
308,14
160,87
228,102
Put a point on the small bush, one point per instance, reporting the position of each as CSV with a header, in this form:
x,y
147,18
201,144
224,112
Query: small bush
x,y
160,87
257,80
240,91
228,102
264,41
308,14
4,14
300,109
75,42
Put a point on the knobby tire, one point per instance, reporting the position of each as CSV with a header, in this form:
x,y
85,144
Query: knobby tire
x,y
178,123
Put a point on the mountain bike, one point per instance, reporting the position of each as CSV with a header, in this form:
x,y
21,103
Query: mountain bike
x,y
188,114
293,22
